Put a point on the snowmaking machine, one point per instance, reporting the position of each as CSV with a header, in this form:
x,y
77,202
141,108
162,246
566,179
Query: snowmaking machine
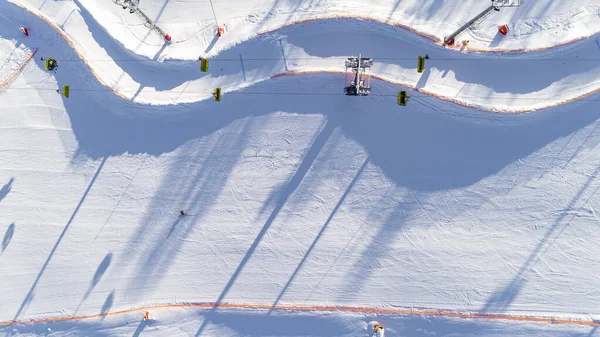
x,y
360,84
379,330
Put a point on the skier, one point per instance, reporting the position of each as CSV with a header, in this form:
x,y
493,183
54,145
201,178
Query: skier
x,y
25,31
182,212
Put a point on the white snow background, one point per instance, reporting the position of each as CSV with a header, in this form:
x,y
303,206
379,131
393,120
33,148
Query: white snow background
x,y
296,194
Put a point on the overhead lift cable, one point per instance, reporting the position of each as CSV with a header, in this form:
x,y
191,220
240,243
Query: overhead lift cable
x,y
418,96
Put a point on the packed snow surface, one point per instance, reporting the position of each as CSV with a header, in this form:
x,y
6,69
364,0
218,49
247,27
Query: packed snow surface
x,y
293,193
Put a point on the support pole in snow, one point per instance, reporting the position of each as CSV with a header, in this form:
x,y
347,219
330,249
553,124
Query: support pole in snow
x,y
133,8
220,30
450,38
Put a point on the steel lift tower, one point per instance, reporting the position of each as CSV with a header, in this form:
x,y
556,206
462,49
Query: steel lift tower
x,y
361,84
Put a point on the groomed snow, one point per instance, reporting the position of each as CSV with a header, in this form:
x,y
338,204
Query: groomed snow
x,y
293,194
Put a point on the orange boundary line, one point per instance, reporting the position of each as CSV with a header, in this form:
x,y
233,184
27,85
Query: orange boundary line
x,y
18,71
72,44
318,308
425,35
445,98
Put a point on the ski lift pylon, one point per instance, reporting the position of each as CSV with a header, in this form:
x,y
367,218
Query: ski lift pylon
x,y
360,85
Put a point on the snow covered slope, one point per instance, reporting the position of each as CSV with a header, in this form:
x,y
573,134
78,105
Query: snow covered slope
x,y
507,83
293,193
192,25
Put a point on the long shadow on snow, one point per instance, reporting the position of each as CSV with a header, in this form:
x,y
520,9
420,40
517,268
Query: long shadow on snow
x,y
193,182
291,187
500,73
31,292
502,299
420,146
150,73
10,231
68,328
97,276
414,146
321,232
6,188
147,73
424,326
262,57
259,323
396,209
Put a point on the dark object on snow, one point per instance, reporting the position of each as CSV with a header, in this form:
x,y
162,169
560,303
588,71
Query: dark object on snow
x,y
182,212
360,83
50,63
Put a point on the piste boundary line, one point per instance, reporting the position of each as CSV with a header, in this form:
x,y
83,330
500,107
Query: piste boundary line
x,y
320,308
18,70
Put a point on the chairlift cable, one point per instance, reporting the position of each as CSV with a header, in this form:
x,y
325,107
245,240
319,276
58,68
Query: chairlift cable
x,y
417,96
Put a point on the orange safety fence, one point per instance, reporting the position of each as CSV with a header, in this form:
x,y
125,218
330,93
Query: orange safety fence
x,y
71,43
423,34
18,70
320,308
